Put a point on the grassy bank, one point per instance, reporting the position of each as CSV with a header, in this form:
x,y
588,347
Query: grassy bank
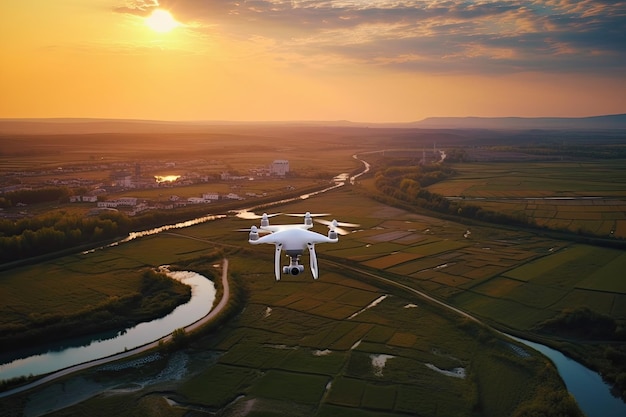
x,y
155,296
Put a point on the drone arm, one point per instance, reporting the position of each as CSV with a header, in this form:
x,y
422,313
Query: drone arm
x,y
279,248
322,239
270,239
313,258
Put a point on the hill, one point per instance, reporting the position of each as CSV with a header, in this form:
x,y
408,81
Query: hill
x,y
87,126
616,121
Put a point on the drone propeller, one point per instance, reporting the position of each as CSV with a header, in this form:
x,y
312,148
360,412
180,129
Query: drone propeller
x,y
337,226
336,223
248,215
308,217
250,229
307,214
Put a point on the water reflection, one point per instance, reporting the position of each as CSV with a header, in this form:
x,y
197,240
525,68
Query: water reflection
x,y
166,178
135,235
592,394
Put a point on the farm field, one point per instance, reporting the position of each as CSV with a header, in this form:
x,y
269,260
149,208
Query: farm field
x,y
210,150
320,347
587,197
315,345
299,347
513,278
295,349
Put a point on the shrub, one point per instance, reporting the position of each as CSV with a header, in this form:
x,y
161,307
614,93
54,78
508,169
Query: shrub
x,y
582,323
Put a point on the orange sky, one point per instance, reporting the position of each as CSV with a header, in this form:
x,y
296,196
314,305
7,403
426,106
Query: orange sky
x,y
367,61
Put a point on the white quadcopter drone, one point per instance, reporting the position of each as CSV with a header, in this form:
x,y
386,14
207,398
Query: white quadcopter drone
x,y
294,239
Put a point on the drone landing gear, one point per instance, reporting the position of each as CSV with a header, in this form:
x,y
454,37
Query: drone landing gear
x,y
294,268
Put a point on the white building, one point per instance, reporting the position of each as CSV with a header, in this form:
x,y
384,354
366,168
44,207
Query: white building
x,y
121,179
233,196
211,196
127,201
279,167
83,198
108,204
123,201
197,200
138,209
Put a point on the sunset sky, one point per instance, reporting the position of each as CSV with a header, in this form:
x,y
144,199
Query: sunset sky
x,y
364,61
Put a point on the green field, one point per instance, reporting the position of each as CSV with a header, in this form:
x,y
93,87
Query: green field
x,y
295,346
583,197
307,358
311,345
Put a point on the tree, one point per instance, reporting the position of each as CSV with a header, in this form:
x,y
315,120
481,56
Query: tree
x,y
179,339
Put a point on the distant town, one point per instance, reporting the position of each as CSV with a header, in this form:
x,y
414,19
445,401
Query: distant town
x,y
130,176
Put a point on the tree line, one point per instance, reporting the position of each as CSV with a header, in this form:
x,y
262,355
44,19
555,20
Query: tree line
x,y
407,184
37,196
404,185
56,231
51,232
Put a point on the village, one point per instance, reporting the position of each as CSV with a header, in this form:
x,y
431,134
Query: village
x,y
132,205
112,194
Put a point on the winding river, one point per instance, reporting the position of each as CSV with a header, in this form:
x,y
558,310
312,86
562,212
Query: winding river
x,y
61,357
591,392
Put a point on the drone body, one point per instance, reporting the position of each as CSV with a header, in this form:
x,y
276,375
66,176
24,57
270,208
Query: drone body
x,y
294,239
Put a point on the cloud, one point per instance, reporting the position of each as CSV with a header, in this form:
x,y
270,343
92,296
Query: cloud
x,y
138,7
425,36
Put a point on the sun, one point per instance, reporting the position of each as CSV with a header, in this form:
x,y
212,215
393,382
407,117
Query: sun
x,y
161,21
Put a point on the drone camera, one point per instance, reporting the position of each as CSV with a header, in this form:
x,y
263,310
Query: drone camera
x,y
293,269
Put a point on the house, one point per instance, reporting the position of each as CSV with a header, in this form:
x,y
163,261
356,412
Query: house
x,y
127,201
108,204
83,198
197,200
233,196
211,196
279,167
123,201
122,179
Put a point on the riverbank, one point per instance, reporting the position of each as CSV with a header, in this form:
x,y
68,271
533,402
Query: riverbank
x,y
157,296
194,326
